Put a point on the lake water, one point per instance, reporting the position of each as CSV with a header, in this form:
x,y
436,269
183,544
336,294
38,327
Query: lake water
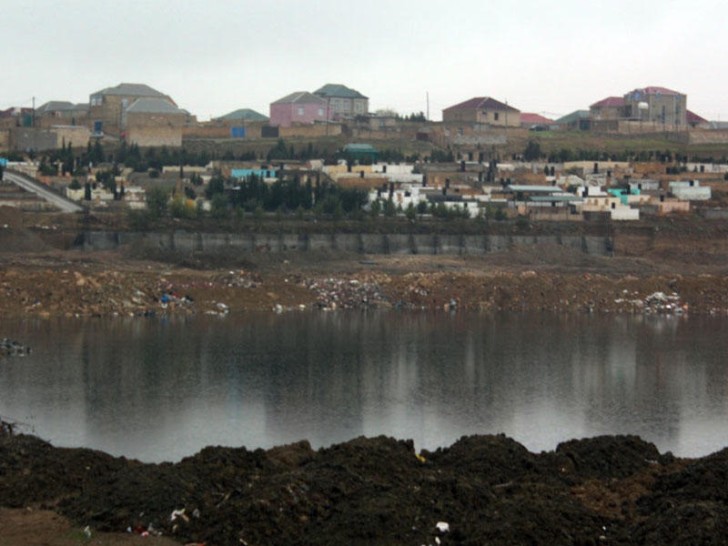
x,y
161,389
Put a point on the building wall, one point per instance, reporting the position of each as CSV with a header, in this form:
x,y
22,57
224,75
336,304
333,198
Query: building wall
x,y
311,131
22,138
288,114
142,136
462,115
500,118
340,107
667,110
78,136
607,112
108,112
222,129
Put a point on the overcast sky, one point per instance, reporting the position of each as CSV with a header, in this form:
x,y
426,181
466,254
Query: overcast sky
x,y
215,56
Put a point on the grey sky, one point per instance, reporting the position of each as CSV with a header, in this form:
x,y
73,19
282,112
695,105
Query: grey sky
x,y
214,56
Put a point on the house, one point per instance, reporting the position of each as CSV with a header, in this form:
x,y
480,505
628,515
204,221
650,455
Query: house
x,y
360,152
342,102
611,108
243,115
483,110
60,113
690,190
242,123
696,121
657,105
107,107
16,117
154,122
300,107
535,121
579,120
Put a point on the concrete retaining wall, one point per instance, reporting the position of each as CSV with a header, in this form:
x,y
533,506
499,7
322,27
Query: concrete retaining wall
x,y
184,242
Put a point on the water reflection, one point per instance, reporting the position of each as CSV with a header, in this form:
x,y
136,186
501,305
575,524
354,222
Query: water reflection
x,y
162,389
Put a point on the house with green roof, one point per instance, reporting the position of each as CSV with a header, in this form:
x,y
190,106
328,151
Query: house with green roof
x,y
343,102
578,119
360,152
243,115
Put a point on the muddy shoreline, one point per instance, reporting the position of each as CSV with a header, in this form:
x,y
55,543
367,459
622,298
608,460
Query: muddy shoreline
x,y
487,489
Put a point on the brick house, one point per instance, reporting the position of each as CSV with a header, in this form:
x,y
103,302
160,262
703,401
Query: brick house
x,y
657,105
300,107
608,109
60,113
343,102
107,107
154,122
483,110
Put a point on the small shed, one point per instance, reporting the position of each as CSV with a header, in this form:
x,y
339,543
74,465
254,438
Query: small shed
x,y
361,152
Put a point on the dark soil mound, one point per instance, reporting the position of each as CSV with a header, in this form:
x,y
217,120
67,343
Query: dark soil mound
x,y
481,490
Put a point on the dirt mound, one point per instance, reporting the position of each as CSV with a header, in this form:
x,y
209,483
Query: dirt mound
x,y
481,490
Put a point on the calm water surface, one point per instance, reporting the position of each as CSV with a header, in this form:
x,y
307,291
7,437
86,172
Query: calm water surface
x,y
157,389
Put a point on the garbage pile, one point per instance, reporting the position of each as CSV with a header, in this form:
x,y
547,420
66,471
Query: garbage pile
x,y
337,293
10,347
656,303
240,279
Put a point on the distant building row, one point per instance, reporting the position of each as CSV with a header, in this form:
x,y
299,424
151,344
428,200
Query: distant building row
x,y
144,116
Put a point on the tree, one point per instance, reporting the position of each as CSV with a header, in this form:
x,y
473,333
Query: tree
x,y
279,151
157,199
410,212
375,208
219,206
215,186
389,208
532,151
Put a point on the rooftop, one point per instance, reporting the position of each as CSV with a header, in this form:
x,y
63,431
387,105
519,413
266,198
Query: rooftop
x,y
55,106
338,90
652,90
131,90
534,119
154,106
609,102
300,97
482,103
243,114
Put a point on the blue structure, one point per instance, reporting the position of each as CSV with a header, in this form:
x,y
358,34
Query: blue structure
x,y
3,162
247,173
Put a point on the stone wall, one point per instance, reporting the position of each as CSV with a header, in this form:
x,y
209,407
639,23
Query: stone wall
x,y
184,242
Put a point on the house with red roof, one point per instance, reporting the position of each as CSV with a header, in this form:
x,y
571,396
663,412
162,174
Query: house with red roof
x,y
531,120
694,120
608,109
485,110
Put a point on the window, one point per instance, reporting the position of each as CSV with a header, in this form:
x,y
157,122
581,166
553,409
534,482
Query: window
x,y
300,110
496,115
321,112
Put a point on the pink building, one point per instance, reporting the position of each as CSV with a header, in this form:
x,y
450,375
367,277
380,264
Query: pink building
x,y
298,108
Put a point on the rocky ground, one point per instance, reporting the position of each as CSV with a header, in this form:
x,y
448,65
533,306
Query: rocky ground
x,y
488,490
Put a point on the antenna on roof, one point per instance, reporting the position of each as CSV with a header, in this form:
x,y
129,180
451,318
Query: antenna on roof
x,y
427,95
